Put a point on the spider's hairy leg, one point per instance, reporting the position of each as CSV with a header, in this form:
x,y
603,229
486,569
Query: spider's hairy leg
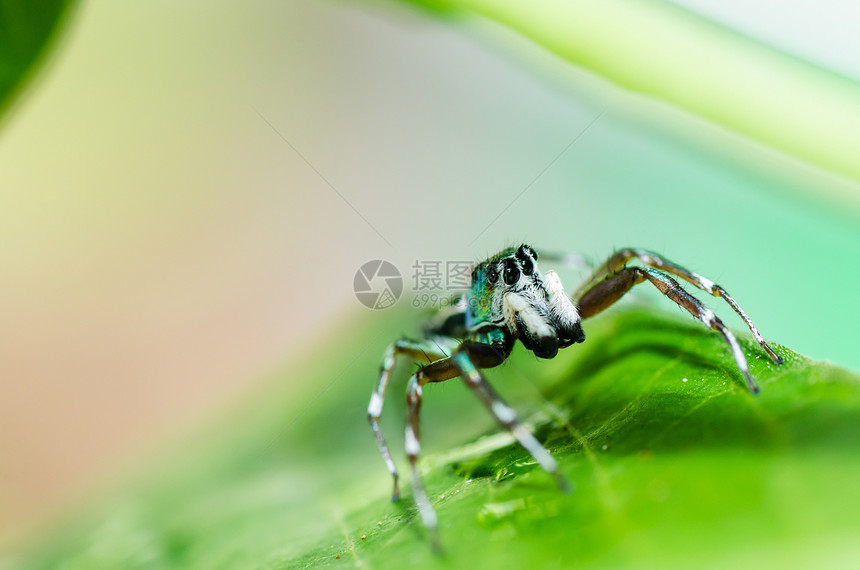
x,y
485,355
437,371
613,287
427,351
413,449
505,414
619,259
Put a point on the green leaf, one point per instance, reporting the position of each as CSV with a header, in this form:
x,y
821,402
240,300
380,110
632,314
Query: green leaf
x,y
674,462
26,30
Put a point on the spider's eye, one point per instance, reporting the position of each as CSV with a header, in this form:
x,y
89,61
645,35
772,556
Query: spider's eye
x,y
524,254
492,275
528,266
512,274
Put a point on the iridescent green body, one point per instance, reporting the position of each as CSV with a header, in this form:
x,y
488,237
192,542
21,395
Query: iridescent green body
x,y
479,299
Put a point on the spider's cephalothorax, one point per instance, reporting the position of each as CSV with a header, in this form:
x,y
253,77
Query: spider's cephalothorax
x,y
509,293
510,299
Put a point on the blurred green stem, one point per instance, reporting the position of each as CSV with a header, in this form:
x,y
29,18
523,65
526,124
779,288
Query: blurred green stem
x,y
661,50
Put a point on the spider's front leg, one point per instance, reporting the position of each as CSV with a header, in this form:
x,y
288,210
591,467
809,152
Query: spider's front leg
x,y
619,259
413,449
465,362
613,279
428,351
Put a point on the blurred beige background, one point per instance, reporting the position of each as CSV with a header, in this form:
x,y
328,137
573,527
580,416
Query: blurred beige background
x,y
163,245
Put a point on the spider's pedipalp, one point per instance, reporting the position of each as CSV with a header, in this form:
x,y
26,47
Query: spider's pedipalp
x,y
532,328
564,314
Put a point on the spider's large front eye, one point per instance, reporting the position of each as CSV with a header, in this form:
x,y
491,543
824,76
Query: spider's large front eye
x,y
512,274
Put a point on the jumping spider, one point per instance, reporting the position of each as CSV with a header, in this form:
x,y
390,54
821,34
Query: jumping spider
x,y
510,299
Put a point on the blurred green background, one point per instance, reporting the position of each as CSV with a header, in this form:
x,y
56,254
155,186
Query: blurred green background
x,y
188,190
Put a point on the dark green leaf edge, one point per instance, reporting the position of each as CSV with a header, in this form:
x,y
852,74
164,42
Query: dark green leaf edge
x,y
28,31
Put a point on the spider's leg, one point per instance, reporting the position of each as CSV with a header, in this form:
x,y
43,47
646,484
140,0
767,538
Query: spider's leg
x,y
413,449
502,411
618,260
428,351
438,371
608,291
